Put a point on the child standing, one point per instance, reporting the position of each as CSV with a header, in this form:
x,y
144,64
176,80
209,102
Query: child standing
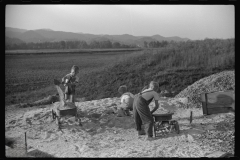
x,y
70,81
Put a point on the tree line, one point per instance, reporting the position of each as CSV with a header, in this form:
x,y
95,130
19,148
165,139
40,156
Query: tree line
x,y
156,44
82,45
69,45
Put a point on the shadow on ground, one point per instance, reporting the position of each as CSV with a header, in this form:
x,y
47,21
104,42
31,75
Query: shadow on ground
x,y
38,153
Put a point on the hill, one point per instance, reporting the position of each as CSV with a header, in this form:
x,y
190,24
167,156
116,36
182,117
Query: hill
x,y
31,36
12,41
42,35
10,29
174,67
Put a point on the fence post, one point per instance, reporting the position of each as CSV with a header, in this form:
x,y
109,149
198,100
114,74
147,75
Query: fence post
x,y
190,117
26,141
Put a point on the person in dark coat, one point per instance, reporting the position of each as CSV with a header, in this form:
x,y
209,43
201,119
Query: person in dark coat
x,y
141,111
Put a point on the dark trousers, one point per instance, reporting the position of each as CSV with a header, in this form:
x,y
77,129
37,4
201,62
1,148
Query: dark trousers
x,y
142,115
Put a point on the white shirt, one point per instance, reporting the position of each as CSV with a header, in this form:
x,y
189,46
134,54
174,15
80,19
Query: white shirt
x,y
126,96
65,79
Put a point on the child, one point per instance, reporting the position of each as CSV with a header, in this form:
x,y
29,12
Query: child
x,y
141,111
70,81
126,99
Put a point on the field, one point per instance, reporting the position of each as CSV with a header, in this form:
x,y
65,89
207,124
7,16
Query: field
x,y
30,77
57,51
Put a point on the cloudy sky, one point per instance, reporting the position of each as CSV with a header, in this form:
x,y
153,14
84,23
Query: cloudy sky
x,y
186,21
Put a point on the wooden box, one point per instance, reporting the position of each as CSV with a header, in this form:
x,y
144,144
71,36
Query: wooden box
x,y
218,102
66,112
162,117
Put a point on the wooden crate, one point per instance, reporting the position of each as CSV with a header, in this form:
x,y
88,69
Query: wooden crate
x,y
218,102
162,117
66,112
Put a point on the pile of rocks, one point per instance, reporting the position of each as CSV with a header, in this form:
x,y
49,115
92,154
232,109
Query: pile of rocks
x,y
217,82
222,138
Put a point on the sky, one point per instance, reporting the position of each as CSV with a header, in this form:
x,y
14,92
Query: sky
x,y
195,22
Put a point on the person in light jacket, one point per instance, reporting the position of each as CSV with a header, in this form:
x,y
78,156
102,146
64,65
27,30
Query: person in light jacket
x,y
126,99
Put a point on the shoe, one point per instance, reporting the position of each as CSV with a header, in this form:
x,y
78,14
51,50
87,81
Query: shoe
x,y
120,113
142,132
127,113
148,138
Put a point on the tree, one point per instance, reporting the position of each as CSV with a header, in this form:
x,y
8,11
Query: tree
x,y
105,44
83,44
145,44
116,45
94,44
63,44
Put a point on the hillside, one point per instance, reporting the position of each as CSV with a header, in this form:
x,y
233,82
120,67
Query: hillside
x,y
175,67
12,41
31,36
13,32
42,35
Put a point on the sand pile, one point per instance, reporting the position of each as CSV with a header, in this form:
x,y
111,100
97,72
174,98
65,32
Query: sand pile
x,y
103,134
217,82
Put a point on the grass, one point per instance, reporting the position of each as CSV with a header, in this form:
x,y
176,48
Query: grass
x,y
57,51
30,77
176,66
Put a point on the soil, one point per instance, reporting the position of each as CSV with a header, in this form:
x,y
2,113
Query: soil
x,y
103,134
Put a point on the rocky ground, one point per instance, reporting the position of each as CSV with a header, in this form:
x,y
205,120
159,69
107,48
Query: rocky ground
x,y
103,134
222,81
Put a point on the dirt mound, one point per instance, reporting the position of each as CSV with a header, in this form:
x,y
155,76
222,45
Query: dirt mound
x,y
217,82
103,134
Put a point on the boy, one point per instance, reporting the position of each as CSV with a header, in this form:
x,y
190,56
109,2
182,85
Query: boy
x,y
126,99
141,111
70,81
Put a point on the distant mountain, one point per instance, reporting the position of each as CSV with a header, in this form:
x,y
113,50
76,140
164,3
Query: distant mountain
x,y
140,42
43,35
13,40
32,36
59,35
15,29
46,29
100,39
13,32
160,38
124,39
178,39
